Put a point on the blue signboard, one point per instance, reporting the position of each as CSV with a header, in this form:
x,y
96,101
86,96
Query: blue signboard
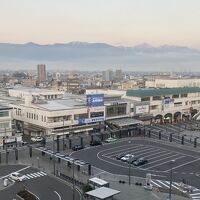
x,y
81,121
95,100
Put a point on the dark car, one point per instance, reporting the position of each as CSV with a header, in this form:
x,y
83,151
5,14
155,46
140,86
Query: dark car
x,y
77,147
95,143
140,161
119,156
132,160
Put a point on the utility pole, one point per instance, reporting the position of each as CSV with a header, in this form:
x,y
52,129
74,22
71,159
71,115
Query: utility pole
x,y
129,171
54,164
63,133
170,187
73,183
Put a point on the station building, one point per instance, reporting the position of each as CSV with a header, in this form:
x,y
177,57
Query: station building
x,y
166,104
37,114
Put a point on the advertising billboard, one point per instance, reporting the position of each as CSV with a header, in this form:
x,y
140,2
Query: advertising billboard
x,y
95,100
168,103
142,109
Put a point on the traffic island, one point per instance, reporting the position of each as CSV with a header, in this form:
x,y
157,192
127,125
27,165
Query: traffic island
x,y
26,195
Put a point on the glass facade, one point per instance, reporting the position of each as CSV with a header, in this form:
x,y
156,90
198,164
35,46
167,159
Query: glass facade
x,y
116,110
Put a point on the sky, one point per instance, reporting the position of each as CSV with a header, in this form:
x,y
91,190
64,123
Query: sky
x,y
117,22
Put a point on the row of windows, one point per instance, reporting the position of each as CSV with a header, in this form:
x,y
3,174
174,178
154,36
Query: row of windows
x,y
35,116
4,113
175,96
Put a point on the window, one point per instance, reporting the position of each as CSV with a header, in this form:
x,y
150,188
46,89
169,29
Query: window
x,y
115,110
175,96
81,116
157,98
96,114
177,104
145,99
4,113
4,125
184,95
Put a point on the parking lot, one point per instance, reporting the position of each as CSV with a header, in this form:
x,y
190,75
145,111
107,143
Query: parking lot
x,y
158,158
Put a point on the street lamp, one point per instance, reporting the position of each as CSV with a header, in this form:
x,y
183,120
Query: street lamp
x,y
170,187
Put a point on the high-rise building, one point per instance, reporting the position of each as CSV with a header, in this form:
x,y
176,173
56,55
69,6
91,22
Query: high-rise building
x,y
41,70
108,75
118,75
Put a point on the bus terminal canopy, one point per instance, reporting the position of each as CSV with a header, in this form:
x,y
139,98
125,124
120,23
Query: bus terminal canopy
x,y
123,122
102,193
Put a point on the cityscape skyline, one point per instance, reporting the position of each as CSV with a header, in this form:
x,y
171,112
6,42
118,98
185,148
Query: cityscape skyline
x,y
159,22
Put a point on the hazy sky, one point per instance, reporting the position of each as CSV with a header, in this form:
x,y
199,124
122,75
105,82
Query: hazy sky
x,y
118,22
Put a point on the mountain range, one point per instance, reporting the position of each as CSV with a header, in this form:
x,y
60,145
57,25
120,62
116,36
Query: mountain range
x,y
99,56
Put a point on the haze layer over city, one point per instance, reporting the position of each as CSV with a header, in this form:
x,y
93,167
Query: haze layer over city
x,y
99,99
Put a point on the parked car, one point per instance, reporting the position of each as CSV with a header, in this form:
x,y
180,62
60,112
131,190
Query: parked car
x,y
110,140
37,139
17,176
119,156
77,147
127,157
131,160
140,161
95,143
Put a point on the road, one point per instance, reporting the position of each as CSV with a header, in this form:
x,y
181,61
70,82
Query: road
x,y
186,166
38,182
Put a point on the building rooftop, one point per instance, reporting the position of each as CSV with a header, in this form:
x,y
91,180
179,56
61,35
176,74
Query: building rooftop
x,y
161,92
62,104
103,193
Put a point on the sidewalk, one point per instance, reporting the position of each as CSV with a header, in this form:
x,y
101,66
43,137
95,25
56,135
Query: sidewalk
x,y
132,191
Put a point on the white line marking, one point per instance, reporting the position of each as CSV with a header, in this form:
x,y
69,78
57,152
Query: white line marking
x,y
58,195
172,185
15,171
155,183
43,173
40,174
164,163
162,155
163,183
183,164
195,194
33,175
123,150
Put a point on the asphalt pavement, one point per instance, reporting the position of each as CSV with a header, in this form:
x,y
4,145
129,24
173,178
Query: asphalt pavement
x,y
38,182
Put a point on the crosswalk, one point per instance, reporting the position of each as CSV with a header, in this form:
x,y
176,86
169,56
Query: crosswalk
x,y
194,193
35,175
32,175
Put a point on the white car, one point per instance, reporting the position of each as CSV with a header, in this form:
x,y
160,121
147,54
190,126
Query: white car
x,y
17,176
127,157
36,139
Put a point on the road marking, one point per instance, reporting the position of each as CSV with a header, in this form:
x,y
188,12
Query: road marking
x,y
163,163
155,183
58,195
158,160
195,194
153,153
183,164
124,150
15,171
160,155
163,183
172,185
